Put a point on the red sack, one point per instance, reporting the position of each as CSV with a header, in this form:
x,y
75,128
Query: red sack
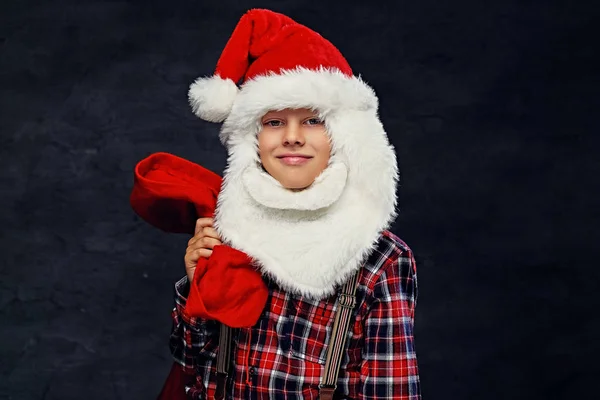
x,y
170,193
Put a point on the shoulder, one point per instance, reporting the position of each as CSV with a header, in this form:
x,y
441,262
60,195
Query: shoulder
x,y
390,263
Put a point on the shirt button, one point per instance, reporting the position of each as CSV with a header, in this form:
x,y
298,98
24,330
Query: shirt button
x,y
252,371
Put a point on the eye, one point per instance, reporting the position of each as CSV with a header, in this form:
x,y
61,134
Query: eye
x,y
314,121
272,123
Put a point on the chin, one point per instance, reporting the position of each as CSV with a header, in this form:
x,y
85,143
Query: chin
x,y
294,182
296,187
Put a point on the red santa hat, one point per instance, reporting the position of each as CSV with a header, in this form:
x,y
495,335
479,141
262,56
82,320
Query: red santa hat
x,y
278,64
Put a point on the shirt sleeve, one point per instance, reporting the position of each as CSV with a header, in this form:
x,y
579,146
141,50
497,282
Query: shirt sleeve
x,y
188,334
389,369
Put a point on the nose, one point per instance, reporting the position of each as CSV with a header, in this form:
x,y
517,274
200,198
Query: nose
x,y
293,135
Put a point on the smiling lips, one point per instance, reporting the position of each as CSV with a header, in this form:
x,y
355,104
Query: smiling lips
x,y
294,159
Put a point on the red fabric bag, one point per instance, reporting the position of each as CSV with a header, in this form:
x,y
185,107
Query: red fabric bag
x,y
171,193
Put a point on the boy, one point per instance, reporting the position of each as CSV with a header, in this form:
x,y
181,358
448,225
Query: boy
x,y
308,193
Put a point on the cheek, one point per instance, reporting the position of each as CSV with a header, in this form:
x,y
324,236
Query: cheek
x,y
323,146
263,143
266,145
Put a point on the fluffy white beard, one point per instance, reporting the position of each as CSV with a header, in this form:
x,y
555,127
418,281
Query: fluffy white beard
x,y
308,241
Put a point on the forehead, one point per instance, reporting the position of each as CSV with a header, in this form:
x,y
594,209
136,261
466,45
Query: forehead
x,y
288,112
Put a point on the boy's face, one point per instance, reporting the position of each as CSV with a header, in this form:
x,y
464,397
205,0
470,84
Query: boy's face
x,y
294,147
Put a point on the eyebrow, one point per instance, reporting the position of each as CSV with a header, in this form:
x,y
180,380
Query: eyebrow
x,y
276,114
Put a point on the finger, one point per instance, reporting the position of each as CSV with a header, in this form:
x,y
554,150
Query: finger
x,y
201,253
198,236
192,257
208,242
211,232
195,238
201,223
204,243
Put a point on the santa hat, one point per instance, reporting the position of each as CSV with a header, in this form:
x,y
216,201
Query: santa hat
x,y
278,63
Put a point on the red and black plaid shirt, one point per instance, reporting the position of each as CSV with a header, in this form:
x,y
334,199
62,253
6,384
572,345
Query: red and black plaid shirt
x,y
283,355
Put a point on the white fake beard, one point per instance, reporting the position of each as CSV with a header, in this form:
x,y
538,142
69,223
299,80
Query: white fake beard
x,y
307,241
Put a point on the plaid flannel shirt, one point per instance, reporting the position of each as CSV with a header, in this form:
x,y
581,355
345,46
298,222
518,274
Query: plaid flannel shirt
x,y
283,355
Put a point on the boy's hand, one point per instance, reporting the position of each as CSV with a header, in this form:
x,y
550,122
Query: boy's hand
x,y
201,245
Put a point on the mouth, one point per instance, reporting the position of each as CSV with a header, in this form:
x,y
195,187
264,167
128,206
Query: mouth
x,y
294,159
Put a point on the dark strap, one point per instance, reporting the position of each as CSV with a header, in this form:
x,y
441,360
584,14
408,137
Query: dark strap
x,y
223,361
335,350
346,303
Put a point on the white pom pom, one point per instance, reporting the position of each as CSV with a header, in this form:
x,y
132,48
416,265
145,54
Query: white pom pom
x,y
212,98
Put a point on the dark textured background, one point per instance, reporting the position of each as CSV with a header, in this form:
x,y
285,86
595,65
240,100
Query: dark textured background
x,y
492,110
